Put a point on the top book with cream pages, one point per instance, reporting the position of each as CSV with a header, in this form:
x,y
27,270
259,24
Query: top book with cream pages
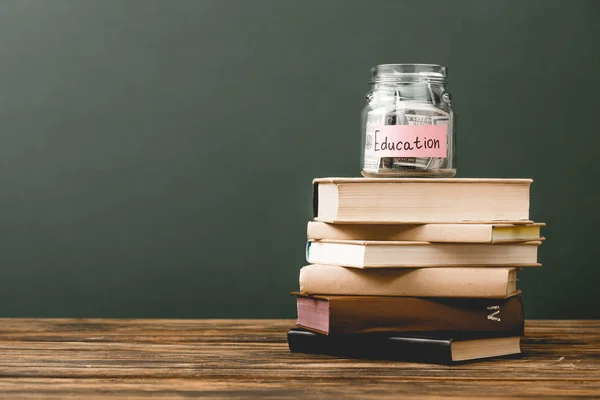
x,y
419,201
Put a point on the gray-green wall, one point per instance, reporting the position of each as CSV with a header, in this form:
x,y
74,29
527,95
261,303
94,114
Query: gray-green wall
x,y
156,156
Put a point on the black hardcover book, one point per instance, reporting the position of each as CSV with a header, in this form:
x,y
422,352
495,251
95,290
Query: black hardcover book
x,y
436,350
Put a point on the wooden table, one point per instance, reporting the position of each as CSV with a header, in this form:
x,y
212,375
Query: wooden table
x,y
93,358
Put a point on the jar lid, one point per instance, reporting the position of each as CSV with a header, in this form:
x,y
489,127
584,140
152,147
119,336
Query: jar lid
x,y
394,72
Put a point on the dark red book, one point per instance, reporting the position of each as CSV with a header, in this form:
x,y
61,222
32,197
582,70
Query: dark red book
x,y
363,314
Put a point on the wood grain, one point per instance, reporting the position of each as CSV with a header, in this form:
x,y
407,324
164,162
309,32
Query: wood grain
x,y
136,359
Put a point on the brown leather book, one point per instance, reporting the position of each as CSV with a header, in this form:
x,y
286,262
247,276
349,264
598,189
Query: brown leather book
x,y
364,314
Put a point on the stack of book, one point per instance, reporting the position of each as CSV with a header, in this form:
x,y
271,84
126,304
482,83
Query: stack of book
x,y
415,269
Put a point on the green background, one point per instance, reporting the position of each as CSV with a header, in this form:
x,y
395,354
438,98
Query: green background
x,y
156,157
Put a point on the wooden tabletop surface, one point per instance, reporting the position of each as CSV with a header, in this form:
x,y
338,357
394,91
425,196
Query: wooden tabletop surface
x,y
96,358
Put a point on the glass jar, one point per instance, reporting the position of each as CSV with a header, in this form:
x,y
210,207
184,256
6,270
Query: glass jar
x,y
408,123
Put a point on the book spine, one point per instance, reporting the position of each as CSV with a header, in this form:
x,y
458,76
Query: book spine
x,y
410,314
371,346
420,282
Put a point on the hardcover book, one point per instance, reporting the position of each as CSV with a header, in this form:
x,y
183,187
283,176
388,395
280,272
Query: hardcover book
x,y
363,314
417,201
498,282
441,233
438,350
371,254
